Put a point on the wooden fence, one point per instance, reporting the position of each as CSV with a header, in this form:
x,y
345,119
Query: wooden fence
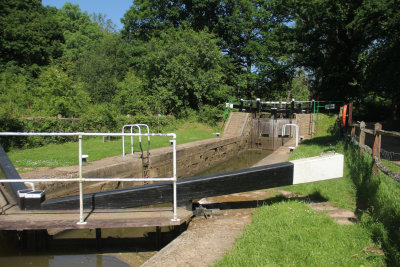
x,y
350,130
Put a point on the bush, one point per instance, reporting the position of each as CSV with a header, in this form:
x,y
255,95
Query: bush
x,y
210,114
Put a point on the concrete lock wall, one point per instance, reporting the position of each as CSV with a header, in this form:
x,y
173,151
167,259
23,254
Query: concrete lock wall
x,y
191,158
306,125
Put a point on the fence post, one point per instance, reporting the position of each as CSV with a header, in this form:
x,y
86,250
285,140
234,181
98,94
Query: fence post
x,y
353,131
361,142
350,119
377,146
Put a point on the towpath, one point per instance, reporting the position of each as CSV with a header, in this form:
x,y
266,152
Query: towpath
x,y
208,238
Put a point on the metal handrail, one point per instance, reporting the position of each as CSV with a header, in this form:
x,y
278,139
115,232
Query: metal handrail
x,y
173,179
297,131
138,125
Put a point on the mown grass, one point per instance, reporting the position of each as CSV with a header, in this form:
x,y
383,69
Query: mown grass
x,y
290,233
54,155
376,199
340,192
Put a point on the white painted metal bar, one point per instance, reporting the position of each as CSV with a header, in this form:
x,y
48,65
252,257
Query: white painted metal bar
x,y
276,102
132,150
297,131
81,219
174,182
138,125
81,179
44,180
148,138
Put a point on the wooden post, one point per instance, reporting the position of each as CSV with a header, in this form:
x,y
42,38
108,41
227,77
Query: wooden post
x,y
361,142
99,244
377,145
353,131
350,120
340,122
158,237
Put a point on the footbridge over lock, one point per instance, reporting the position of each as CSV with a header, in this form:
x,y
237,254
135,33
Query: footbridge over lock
x,y
120,208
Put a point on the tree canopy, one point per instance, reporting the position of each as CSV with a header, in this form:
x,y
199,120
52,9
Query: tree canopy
x,y
175,57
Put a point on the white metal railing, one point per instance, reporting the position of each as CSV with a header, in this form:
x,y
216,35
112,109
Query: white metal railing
x,y
140,137
80,180
274,102
297,131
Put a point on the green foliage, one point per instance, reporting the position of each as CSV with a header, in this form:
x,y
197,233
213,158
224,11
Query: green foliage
x,y
100,118
10,125
15,96
100,68
79,31
132,96
183,69
57,93
243,27
210,114
30,33
290,233
300,90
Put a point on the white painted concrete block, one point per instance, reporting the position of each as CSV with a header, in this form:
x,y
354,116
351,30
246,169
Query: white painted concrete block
x,y
318,168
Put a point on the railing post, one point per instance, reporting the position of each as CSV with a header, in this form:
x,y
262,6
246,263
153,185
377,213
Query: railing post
x,y
377,146
175,178
123,141
81,220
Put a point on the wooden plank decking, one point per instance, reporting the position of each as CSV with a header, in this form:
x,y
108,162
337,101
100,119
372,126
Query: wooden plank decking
x,y
15,219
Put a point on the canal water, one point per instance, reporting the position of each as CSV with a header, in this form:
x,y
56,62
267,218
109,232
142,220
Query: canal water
x,y
120,247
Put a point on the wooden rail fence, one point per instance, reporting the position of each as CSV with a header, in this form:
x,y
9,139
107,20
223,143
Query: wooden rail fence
x,y
349,130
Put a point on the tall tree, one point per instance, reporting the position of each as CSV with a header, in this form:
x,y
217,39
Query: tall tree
x,y
101,67
240,25
327,46
29,33
79,31
182,69
379,61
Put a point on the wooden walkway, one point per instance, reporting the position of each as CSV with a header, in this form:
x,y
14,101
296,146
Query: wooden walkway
x,y
15,219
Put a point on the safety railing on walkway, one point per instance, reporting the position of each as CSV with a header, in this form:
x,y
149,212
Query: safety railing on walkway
x,y
80,180
297,131
138,125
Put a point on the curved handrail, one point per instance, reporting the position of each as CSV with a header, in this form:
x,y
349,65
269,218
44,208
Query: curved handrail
x,y
297,131
138,125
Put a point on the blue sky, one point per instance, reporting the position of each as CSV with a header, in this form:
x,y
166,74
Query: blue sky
x,y
114,9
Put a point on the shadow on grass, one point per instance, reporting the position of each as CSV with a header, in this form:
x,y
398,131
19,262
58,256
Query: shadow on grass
x,y
329,140
315,197
376,203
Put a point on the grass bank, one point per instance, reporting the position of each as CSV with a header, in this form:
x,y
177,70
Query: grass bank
x,y
66,154
289,233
